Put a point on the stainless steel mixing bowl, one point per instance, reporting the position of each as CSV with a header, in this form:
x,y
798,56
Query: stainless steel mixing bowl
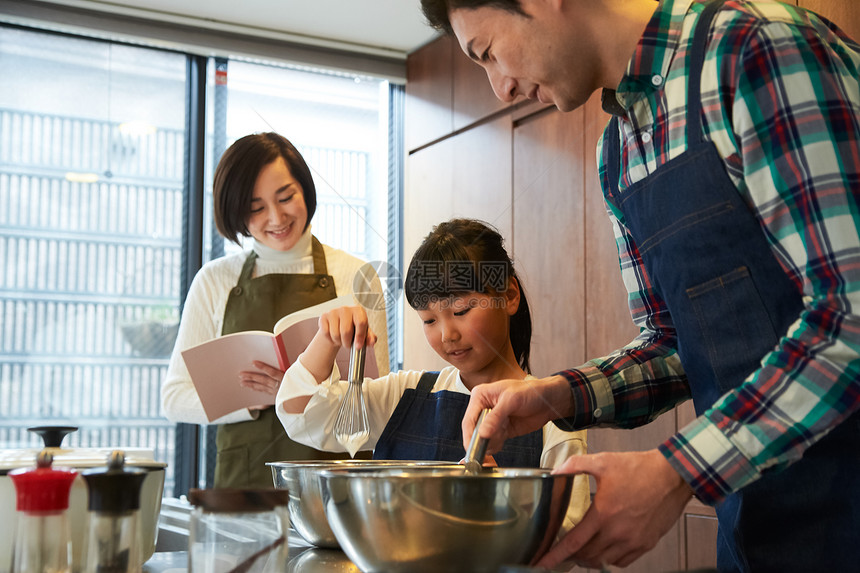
x,y
307,515
441,519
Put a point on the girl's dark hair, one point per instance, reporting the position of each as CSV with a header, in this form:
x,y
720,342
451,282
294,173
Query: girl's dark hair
x,y
438,12
462,256
237,173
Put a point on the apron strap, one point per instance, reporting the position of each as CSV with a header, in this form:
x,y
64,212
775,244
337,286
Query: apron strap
x,y
426,383
695,131
319,257
247,269
694,79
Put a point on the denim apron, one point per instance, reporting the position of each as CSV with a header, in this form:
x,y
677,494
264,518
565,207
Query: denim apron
x,y
425,425
730,301
258,303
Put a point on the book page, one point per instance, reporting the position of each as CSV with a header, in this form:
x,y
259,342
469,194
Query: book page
x,y
312,312
215,365
295,332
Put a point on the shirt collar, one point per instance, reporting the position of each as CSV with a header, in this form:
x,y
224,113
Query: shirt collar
x,y
302,248
649,65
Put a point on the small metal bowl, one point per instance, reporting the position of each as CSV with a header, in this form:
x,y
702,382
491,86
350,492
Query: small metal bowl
x,y
301,478
441,519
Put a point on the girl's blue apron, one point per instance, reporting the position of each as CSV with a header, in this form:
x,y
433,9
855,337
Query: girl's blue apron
x,y
730,301
425,425
257,303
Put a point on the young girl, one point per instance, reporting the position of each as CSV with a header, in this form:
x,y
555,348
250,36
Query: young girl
x,y
462,284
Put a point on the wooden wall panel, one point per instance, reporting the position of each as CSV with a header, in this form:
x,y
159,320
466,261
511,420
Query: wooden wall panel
x,y
429,93
844,13
467,175
549,236
429,199
700,541
482,174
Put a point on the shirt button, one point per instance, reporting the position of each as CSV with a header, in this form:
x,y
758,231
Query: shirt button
x,y
598,412
657,80
646,136
237,291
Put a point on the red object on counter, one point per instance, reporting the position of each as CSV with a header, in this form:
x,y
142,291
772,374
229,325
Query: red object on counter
x,y
43,488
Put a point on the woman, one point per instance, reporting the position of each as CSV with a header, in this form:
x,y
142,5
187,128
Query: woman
x,y
263,189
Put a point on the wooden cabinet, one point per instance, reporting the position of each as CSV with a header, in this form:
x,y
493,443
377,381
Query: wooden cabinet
x,y
844,13
549,235
429,93
467,175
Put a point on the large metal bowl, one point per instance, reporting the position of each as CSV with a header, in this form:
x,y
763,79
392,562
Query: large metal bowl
x,y
437,519
307,515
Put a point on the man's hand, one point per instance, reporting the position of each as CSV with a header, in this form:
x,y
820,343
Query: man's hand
x,y
639,497
518,407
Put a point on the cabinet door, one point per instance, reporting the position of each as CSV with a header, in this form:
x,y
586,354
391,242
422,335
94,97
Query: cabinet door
x,y
429,93
844,14
549,235
467,175
429,199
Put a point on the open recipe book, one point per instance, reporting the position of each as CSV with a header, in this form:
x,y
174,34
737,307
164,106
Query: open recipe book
x,y
215,365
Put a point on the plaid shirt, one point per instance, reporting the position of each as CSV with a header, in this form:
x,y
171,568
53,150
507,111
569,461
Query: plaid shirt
x,y
781,100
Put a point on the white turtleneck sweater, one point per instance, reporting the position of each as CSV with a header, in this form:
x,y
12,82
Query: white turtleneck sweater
x,y
203,316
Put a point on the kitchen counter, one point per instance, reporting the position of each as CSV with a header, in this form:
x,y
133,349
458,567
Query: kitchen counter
x,y
171,554
303,558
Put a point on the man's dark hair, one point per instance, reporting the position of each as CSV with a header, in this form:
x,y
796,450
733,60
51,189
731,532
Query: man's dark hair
x,y
437,12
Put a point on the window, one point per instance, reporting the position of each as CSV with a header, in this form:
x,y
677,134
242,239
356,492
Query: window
x,y
90,237
339,124
93,243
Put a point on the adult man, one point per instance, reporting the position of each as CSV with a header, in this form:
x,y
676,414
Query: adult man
x,y
731,171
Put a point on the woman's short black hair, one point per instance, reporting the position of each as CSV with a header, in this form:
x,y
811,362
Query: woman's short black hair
x,y
237,173
462,256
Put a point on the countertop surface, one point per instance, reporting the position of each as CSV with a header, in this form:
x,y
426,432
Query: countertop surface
x,y
303,558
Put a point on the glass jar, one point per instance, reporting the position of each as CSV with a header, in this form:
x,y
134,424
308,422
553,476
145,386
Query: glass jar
x,y
238,530
42,536
113,542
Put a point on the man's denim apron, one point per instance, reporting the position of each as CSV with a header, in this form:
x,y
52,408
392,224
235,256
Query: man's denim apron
x,y
730,301
425,425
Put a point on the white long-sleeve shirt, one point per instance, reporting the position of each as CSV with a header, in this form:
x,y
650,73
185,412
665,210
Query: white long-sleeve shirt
x,y
315,426
203,316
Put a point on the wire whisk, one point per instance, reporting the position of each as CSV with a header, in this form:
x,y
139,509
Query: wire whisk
x,y
351,428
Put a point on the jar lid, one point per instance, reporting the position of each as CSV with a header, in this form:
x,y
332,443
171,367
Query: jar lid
x,y
115,489
43,488
237,500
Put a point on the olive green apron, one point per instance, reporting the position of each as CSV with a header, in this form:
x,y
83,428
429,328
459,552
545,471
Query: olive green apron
x,y
258,303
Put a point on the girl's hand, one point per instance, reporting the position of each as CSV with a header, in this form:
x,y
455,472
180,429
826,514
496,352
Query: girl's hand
x,y
346,325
